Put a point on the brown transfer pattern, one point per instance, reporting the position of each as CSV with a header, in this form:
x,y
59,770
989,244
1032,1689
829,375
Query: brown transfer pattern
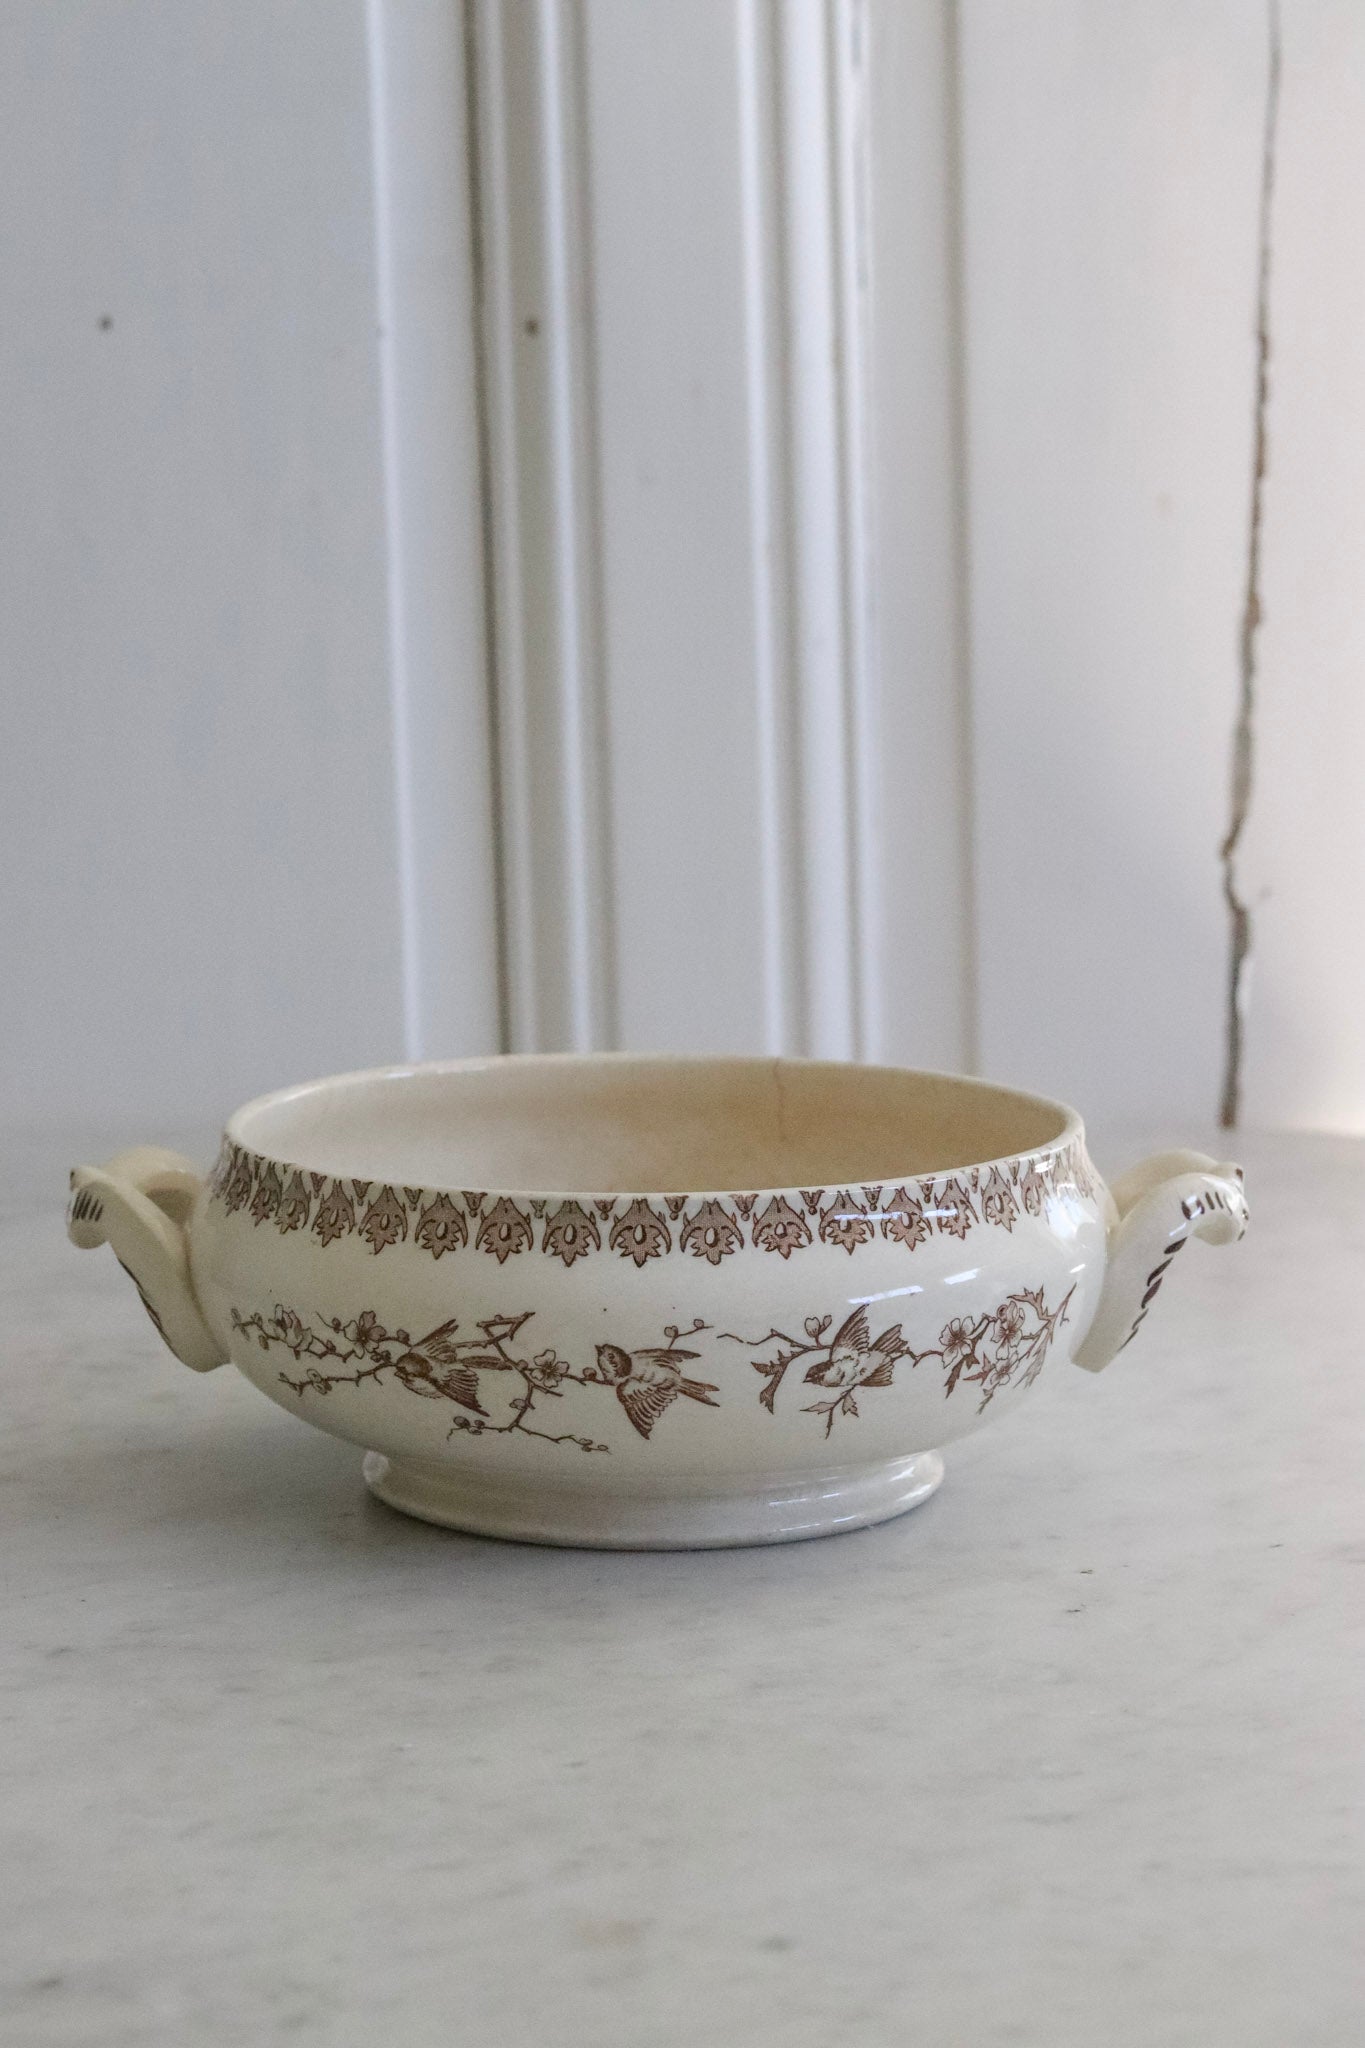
x,y
711,1227
1193,1208
444,1366
988,1350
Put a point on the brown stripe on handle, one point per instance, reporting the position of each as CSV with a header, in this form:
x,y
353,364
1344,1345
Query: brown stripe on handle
x,y
1154,1280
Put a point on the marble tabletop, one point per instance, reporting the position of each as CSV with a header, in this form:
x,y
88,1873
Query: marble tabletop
x,y
1071,1756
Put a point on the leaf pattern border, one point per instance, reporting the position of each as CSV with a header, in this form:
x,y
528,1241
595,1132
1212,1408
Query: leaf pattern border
x,y
640,1228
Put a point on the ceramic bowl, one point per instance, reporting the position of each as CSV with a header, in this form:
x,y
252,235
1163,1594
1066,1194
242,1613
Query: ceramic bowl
x,y
649,1302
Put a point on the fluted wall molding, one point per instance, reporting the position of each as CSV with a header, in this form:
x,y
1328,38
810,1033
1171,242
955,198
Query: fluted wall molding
x,y
568,100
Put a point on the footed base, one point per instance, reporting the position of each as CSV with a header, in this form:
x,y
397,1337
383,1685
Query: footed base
x,y
708,1516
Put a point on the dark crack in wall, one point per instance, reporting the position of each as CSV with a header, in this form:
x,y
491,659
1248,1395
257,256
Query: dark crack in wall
x,y
1244,728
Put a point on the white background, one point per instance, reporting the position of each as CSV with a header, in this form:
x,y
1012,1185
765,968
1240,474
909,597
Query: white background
x,y
679,523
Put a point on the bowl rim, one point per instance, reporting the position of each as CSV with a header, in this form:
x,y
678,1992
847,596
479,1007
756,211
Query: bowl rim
x,y
1071,1133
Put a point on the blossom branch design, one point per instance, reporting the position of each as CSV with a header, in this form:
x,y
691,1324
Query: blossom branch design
x,y
441,1366
989,1350
444,1366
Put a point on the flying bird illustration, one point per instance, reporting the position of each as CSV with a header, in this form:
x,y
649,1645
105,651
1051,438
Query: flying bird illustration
x,y
441,1368
854,1360
646,1382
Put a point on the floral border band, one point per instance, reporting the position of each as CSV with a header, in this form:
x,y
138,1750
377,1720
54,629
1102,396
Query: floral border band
x,y
836,1367
634,1227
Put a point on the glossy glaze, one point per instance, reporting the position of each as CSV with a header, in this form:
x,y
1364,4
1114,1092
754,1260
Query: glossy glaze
x,y
619,1364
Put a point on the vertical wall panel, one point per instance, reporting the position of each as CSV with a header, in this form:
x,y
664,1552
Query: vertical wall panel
x,y
662,118
540,400
1112,163
821,230
916,775
197,804
430,422
709,729
1303,867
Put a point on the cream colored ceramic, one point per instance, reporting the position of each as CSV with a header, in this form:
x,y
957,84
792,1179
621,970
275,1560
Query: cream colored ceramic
x,y
649,1302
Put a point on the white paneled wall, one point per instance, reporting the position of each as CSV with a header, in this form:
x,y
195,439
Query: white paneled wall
x,y
1304,867
1111,158
731,766
430,418
1112,164
729,787
919,763
196,779
678,523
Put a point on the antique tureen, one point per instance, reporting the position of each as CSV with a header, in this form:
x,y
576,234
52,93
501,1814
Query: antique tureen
x,y
649,1302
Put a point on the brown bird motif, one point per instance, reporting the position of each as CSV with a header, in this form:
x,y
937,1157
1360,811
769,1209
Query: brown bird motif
x,y
853,1360
440,1368
647,1382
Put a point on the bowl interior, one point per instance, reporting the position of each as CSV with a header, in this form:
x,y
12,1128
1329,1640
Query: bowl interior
x,y
620,1125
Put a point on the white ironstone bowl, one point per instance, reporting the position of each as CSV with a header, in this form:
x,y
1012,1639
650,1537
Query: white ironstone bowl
x,y
649,1302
